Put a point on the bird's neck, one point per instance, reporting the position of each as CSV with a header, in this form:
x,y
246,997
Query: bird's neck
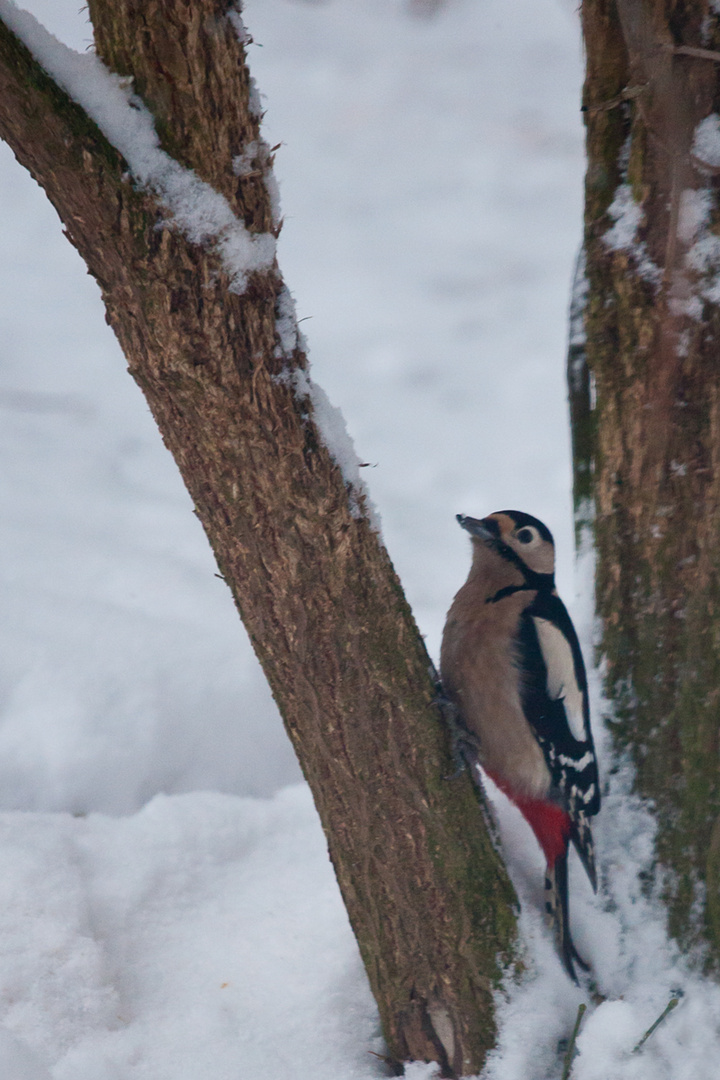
x,y
495,578
489,574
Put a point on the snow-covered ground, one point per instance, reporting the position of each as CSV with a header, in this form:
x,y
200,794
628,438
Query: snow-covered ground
x,y
167,907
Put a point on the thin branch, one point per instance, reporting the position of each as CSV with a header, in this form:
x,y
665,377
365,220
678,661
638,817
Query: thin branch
x,y
628,94
672,1004
694,51
582,1008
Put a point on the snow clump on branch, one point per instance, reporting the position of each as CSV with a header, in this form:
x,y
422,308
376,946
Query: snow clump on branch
x,y
202,214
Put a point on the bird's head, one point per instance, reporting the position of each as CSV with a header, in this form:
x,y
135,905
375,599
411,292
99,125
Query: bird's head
x,y
519,538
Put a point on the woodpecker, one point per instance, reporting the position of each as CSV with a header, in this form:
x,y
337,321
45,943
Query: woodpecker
x,y
512,670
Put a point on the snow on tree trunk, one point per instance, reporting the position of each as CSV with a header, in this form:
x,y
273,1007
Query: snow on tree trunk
x,y
186,266
644,375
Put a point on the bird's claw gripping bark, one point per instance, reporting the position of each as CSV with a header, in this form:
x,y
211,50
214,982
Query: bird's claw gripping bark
x,y
464,746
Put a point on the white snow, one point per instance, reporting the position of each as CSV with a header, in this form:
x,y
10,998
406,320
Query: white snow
x,y
627,215
703,255
432,184
243,164
328,419
203,937
331,423
622,236
706,141
256,155
696,277
200,212
694,213
241,30
577,336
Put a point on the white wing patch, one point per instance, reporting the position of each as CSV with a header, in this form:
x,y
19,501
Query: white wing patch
x,y
561,682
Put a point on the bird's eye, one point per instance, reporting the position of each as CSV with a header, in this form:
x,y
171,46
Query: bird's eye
x,y
526,536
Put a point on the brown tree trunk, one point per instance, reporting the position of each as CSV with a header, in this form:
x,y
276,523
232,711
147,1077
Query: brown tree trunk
x,y
645,392
427,895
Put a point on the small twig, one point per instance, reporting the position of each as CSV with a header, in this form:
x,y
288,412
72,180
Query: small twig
x,y
571,1045
394,1065
628,94
672,1003
692,50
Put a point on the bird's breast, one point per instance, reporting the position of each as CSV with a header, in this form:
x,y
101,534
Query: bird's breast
x,y
481,675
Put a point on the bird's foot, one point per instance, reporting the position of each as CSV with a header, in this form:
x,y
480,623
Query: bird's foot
x,y
464,746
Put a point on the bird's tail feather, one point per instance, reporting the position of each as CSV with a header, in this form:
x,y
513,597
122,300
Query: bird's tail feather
x,y
556,905
581,836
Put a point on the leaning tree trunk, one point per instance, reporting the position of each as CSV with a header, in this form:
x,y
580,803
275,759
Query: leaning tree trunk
x,y
645,392
221,367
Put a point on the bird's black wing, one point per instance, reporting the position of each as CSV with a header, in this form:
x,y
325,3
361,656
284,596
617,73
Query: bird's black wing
x,y
555,703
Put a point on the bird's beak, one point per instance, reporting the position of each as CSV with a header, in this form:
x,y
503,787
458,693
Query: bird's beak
x,y
477,527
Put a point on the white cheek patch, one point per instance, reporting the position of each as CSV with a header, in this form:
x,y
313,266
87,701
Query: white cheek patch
x,y
561,682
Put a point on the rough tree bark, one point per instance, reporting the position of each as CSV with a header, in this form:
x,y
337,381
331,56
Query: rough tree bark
x,y
427,895
645,394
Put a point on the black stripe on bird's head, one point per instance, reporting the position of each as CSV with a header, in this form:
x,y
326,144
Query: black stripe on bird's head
x,y
520,539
